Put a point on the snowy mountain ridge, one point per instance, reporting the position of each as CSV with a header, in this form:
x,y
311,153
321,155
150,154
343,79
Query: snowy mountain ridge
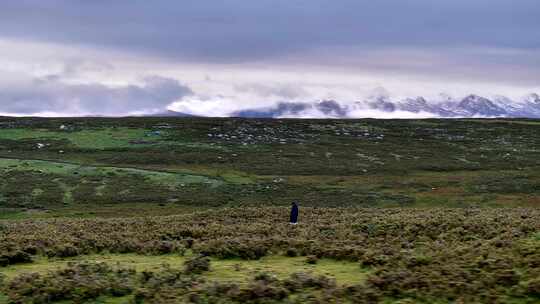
x,y
446,107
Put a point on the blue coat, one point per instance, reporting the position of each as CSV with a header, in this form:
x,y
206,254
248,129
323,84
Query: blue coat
x,y
294,213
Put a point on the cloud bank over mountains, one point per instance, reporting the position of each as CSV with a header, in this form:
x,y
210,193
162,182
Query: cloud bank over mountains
x,y
383,107
58,95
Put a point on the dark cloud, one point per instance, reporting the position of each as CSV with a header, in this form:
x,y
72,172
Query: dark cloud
x,y
48,94
325,108
288,91
242,30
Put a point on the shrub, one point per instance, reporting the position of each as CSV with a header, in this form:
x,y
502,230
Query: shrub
x,y
419,260
64,251
227,249
312,259
197,265
14,257
33,250
291,252
265,277
533,287
76,283
259,291
160,247
304,280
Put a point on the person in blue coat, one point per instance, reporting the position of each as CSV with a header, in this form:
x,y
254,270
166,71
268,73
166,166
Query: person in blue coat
x,y
294,214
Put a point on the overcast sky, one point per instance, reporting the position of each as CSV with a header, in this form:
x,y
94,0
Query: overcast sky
x,y
78,57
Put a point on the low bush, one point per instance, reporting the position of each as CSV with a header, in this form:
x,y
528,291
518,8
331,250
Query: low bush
x,y
14,257
291,252
312,259
76,283
197,265
64,251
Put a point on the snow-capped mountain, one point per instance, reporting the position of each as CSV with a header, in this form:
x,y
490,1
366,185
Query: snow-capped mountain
x,y
507,104
420,104
379,102
529,106
533,99
444,106
474,105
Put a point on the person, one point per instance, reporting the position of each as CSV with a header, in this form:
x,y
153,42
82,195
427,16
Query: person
x,y
294,214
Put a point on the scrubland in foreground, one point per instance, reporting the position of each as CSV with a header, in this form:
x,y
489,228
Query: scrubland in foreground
x,y
419,255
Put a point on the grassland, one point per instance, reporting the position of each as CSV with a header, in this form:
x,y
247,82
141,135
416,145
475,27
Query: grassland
x,y
55,165
392,211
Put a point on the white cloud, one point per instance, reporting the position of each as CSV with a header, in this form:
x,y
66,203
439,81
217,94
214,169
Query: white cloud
x,y
217,107
52,79
49,96
364,113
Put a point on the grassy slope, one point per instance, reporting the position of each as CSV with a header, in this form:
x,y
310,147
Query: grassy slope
x,y
101,164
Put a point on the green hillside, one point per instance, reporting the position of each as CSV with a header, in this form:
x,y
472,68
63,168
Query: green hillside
x,y
53,164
